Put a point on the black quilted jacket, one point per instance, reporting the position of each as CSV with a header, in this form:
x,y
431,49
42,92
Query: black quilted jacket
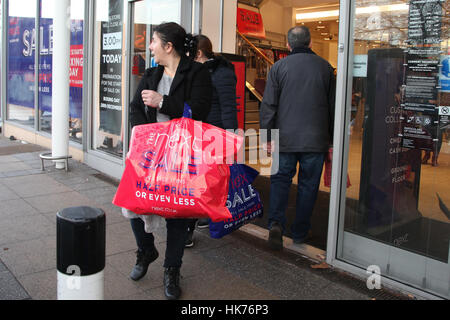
x,y
223,112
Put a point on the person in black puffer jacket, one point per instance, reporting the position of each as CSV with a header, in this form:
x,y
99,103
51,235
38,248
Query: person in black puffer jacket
x,y
223,111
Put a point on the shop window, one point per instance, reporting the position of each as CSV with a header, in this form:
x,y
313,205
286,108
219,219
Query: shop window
x,y
396,214
21,52
109,80
109,63
76,25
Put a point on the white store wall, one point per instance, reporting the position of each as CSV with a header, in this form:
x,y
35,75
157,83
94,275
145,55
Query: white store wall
x,y
211,24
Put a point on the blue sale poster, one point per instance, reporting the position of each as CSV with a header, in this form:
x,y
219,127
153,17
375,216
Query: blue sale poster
x,y
444,74
21,65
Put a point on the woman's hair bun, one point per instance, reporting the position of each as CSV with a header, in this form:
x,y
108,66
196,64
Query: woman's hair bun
x,y
190,45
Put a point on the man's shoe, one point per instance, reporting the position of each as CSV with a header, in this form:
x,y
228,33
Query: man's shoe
x,y
189,241
203,223
276,237
304,239
172,288
144,258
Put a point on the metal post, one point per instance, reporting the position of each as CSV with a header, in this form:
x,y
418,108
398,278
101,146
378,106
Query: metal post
x,y
221,26
80,236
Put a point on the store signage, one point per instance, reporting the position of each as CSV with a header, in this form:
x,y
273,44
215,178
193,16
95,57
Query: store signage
x,y
250,23
22,49
421,87
444,117
111,70
421,81
360,65
424,23
422,63
444,74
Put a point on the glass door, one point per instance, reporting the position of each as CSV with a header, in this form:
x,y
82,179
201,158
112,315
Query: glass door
x,y
145,15
395,215
109,77
121,37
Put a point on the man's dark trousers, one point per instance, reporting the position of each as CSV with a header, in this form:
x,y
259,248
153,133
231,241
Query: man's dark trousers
x,y
310,171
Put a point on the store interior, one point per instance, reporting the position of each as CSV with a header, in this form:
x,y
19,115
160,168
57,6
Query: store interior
x,y
433,197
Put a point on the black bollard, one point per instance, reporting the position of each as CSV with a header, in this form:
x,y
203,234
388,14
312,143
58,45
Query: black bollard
x,y
80,236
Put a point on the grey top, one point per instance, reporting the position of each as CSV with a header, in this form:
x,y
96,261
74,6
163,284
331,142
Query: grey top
x,y
163,88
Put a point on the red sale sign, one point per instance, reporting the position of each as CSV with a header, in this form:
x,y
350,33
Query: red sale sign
x,y
250,23
76,65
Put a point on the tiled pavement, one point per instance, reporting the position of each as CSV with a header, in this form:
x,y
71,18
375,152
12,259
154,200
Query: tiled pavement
x,y
236,267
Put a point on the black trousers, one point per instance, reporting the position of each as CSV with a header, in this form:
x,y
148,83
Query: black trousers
x,y
191,224
176,238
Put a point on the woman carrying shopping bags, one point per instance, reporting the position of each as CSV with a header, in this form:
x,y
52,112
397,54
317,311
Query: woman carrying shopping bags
x,y
160,96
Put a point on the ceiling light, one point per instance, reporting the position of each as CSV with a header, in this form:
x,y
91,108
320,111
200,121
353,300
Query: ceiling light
x,y
360,10
317,14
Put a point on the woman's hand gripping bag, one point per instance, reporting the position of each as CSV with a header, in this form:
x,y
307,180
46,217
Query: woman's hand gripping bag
x,y
177,169
243,201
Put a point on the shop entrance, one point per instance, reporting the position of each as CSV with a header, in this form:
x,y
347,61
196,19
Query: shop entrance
x,y
322,19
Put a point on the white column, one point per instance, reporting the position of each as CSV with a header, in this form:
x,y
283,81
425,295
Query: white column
x,y
60,80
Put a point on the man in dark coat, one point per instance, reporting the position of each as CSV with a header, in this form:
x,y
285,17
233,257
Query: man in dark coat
x,y
299,102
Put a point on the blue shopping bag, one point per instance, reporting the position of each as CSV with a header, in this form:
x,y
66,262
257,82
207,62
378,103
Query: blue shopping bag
x,y
243,202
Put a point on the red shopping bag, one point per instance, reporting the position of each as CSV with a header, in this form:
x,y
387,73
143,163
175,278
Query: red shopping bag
x,y
327,173
177,169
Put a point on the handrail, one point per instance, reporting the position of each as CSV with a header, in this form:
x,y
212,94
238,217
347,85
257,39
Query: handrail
x,y
254,91
259,52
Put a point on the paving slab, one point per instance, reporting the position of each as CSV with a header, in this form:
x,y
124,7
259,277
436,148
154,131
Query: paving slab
x,y
10,288
34,185
7,193
58,201
31,256
23,228
41,285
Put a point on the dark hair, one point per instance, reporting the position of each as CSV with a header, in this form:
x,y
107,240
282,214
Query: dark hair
x,y
204,44
299,37
174,33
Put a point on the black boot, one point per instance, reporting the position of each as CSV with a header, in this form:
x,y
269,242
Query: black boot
x,y
172,288
144,258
